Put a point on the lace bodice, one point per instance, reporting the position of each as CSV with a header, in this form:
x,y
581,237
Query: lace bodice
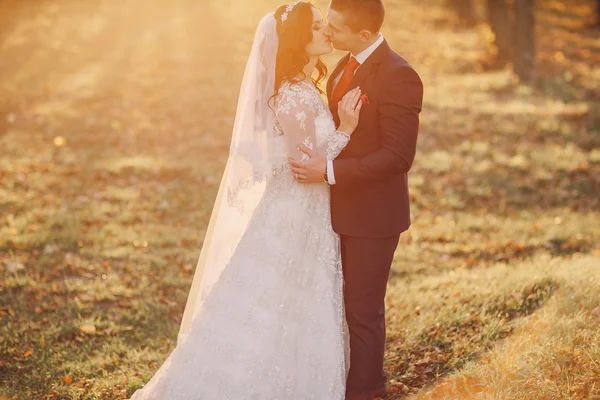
x,y
303,117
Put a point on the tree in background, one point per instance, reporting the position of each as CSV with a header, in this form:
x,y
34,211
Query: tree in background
x,y
525,53
465,11
513,25
501,23
514,37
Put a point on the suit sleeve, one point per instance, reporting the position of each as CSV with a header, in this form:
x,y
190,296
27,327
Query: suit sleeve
x,y
399,107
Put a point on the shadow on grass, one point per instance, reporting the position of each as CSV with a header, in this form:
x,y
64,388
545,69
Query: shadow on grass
x,y
444,348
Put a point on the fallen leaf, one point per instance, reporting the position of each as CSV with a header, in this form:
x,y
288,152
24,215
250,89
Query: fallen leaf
x,y
88,329
14,267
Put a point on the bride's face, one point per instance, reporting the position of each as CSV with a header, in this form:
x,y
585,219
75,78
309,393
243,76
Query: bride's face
x,y
320,43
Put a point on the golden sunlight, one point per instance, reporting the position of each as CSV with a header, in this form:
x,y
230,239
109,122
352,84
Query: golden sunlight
x,y
116,121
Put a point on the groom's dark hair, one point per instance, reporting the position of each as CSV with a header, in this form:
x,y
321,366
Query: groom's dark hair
x,y
361,14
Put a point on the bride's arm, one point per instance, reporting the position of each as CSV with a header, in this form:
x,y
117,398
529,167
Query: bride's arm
x,y
312,164
296,118
334,144
296,111
348,111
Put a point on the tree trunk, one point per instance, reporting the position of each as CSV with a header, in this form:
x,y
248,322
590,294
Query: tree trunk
x,y
502,26
465,10
525,54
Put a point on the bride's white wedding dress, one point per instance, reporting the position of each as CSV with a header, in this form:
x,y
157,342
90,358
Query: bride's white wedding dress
x,y
273,326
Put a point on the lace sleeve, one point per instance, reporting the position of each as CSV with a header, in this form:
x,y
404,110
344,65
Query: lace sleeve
x,y
334,144
296,110
296,117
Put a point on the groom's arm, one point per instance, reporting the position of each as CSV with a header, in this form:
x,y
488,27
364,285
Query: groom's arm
x,y
399,107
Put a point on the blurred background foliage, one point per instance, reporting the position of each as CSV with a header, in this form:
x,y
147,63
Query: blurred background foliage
x,y
115,121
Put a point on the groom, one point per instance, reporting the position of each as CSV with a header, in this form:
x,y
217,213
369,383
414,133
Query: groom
x,y
369,184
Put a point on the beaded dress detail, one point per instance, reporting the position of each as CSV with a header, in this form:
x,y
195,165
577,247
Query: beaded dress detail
x,y
273,327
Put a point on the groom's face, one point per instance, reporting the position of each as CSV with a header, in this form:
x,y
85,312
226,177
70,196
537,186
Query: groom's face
x,y
341,35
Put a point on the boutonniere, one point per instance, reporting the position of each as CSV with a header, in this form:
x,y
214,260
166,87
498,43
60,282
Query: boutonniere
x,y
365,99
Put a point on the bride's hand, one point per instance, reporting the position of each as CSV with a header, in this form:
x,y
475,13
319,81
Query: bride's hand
x,y
349,110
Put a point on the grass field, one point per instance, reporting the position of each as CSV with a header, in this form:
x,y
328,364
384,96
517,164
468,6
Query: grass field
x,y
115,121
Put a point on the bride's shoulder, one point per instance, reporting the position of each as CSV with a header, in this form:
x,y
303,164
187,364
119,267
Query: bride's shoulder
x,y
288,86
301,91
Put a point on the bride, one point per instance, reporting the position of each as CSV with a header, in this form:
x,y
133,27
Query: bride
x,y
265,317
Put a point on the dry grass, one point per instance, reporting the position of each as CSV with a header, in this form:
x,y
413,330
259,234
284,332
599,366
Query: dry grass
x,y
115,120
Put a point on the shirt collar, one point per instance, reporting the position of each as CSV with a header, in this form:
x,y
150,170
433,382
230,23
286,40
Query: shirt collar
x,y
363,55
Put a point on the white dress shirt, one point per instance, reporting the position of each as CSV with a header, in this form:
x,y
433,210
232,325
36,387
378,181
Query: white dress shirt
x,y
361,58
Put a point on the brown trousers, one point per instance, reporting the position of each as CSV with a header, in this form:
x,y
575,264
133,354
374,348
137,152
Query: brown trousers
x,y
366,263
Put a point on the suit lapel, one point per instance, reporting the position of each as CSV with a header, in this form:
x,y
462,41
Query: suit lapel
x,y
369,65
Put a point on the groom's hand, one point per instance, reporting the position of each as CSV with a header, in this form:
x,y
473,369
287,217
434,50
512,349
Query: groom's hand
x,y
309,171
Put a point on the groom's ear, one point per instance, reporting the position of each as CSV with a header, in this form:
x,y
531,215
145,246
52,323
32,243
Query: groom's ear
x,y
365,35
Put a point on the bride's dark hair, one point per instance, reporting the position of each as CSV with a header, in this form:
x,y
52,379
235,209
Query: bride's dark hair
x,y
295,33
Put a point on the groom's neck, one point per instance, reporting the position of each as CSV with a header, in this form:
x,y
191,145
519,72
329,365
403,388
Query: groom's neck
x,y
364,46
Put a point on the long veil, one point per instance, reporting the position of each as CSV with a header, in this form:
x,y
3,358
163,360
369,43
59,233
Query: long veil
x,y
248,168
